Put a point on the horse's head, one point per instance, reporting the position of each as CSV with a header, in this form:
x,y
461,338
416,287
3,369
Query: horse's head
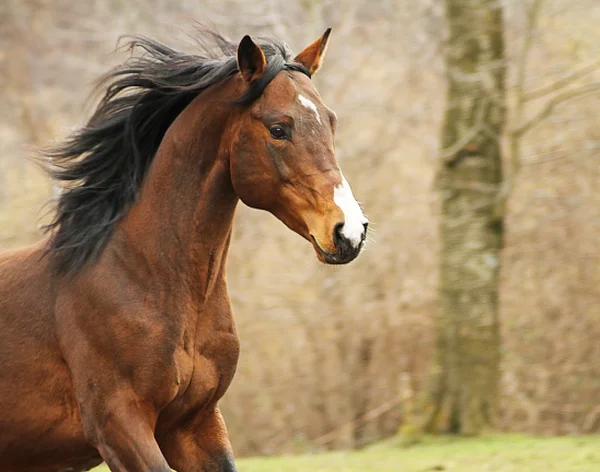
x,y
283,156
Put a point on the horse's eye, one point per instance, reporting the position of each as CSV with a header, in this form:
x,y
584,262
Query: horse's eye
x,y
278,132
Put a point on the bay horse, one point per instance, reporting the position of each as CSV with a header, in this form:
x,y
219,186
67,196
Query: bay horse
x,y
116,332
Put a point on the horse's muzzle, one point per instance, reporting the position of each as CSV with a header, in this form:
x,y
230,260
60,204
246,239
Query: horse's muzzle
x,y
345,250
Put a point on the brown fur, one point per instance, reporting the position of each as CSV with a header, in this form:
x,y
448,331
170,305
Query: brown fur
x,y
126,360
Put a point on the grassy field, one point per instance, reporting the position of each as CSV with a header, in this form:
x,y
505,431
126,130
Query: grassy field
x,y
505,453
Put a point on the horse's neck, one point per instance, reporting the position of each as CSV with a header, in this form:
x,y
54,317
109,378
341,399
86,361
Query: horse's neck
x,y
180,227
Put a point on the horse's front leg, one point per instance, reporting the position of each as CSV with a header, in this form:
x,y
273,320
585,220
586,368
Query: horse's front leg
x,y
121,429
201,446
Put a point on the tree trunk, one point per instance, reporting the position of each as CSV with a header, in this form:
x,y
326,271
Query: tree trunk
x,y
463,393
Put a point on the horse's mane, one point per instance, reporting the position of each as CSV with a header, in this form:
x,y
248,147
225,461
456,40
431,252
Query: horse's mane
x,y
102,166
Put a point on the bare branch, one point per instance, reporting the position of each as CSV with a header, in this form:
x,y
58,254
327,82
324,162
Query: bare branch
x,y
562,83
448,155
530,28
369,416
553,103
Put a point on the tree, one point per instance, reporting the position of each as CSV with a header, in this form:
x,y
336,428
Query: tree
x,y
562,90
463,393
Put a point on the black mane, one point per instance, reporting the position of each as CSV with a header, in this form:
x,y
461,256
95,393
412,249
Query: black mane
x,y
102,166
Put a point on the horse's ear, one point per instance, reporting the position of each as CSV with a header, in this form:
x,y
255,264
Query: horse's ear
x,y
250,59
312,56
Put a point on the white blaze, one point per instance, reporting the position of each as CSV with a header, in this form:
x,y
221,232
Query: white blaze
x,y
354,219
310,105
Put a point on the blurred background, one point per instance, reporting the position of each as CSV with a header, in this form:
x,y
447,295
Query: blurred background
x,y
339,357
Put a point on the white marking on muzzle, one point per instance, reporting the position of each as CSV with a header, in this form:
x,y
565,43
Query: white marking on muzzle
x,y
354,219
310,105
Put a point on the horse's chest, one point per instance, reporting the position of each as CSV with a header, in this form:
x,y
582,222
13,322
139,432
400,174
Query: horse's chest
x,y
206,366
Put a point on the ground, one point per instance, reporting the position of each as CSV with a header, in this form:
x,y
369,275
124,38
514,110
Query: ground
x,y
502,453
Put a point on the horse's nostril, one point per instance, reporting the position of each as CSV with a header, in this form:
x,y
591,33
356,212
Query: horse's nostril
x,y
366,226
337,231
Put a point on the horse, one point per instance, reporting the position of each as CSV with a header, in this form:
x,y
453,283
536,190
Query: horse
x,y
117,338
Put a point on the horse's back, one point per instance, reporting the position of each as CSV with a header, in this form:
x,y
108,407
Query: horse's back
x,y
38,412
26,298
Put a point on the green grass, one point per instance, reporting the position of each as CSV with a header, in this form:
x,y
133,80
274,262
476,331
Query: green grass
x,y
502,453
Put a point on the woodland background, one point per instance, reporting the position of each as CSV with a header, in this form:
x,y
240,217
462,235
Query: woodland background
x,y
341,356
